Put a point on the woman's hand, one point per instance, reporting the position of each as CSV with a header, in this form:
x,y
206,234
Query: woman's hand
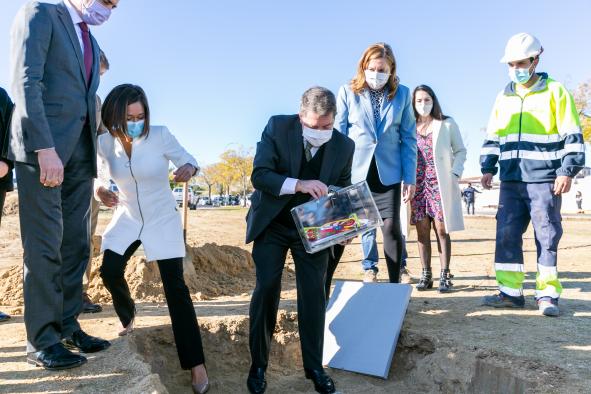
x,y
185,172
107,197
408,192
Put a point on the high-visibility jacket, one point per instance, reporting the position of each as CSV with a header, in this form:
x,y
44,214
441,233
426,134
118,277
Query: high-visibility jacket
x,y
536,137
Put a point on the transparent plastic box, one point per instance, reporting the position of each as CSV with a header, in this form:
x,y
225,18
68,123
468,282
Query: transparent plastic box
x,y
337,217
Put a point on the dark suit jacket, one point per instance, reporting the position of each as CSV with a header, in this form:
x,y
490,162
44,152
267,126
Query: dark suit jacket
x,y
279,156
6,108
49,87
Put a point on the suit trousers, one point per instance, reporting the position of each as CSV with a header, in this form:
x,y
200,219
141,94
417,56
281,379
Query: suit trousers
x,y
55,236
269,252
180,306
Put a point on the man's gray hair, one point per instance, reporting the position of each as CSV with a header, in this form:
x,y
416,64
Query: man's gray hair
x,y
319,100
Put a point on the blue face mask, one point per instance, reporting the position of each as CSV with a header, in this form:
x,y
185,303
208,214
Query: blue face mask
x,y
135,129
520,75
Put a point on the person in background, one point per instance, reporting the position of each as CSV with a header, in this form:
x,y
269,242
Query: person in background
x,y
296,160
136,156
469,195
375,110
437,201
371,257
534,136
87,305
55,76
579,201
6,165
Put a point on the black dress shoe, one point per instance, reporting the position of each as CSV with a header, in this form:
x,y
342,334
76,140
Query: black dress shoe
x,y
88,306
256,382
322,382
56,357
85,343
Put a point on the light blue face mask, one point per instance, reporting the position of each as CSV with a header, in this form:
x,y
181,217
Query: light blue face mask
x,y
520,75
135,129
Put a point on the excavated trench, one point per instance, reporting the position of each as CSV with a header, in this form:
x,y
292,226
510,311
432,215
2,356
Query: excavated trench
x,y
421,364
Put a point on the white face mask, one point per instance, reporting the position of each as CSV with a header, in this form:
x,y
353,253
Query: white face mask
x,y
376,80
315,137
424,109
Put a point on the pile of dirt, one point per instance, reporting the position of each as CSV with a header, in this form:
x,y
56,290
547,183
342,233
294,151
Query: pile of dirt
x,y
11,287
220,270
210,271
10,205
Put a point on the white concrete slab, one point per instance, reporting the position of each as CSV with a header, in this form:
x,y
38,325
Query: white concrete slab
x,y
363,322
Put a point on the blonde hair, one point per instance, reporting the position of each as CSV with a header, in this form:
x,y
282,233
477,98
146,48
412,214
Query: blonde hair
x,y
376,51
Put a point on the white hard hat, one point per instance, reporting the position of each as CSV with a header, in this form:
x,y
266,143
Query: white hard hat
x,y
521,46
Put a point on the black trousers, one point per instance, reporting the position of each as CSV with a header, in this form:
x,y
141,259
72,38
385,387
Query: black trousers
x,y
269,252
393,242
55,236
182,314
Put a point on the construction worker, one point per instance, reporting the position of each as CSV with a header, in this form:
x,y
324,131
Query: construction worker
x,y
535,136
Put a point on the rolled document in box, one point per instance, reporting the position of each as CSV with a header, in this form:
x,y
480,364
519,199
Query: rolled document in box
x,y
341,215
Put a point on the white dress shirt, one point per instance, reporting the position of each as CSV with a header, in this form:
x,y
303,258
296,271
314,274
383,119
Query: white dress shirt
x,y
76,19
289,185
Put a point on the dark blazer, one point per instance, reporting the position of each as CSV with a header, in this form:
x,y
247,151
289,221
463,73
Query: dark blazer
x,y
53,102
6,107
279,156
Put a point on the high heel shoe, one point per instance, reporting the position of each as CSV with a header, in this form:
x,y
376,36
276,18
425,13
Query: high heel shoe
x,y
201,388
445,281
128,329
426,281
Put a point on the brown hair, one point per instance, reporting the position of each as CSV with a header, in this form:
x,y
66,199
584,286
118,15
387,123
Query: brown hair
x,y
114,111
436,111
376,51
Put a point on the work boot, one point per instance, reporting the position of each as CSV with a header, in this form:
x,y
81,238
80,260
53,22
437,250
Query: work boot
x,y
503,301
548,307
426,281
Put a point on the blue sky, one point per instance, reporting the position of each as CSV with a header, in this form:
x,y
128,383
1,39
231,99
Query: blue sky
x,y
216,71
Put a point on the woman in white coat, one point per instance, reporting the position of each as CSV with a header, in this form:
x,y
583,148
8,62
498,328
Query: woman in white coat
x,y
136,155
440,162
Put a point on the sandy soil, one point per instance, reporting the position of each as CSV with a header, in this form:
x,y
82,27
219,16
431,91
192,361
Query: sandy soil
x,y
449,343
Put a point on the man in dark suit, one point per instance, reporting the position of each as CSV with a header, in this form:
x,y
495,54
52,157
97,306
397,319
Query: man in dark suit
x,y
55,75
298,157
6,181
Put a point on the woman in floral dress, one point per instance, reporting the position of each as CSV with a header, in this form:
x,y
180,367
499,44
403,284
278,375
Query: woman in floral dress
x,y
440,162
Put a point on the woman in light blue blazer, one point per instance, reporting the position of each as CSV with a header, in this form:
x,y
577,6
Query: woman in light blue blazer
x,y
375,111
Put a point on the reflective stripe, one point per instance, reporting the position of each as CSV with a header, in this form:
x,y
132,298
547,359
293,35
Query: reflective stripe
x,y
531,155
571,132
536,138
509,267
549,291
511,292
573,148
546,271
490,151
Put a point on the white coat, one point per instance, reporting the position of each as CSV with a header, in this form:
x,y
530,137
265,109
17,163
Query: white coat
x,y
449,156
147,210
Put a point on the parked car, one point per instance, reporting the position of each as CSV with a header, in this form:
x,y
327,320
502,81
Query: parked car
x,y
192,197
203,201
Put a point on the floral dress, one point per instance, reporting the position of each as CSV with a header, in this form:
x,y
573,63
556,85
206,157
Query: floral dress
x,y
427,199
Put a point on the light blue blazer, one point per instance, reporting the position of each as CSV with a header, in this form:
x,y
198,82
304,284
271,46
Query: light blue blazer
x,y
393,141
